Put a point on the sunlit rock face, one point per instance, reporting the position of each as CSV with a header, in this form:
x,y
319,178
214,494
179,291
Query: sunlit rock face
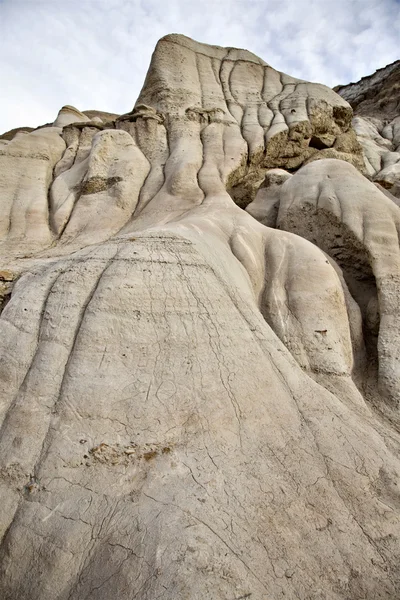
x,y
200,345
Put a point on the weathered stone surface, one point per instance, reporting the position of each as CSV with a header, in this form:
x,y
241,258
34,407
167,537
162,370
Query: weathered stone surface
x,y
376,101
339,210
26,172
98,195
9,135
375,93
67,115
265,205
193,404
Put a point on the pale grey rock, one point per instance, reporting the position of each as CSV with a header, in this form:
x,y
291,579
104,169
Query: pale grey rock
x,y
67,115
335,207
265,205
192,404
26,171
381,145
101,194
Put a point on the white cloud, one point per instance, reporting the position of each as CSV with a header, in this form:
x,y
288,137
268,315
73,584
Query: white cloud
x,y
95,53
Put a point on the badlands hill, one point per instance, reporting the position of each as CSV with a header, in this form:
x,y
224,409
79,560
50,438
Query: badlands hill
x,y
200,340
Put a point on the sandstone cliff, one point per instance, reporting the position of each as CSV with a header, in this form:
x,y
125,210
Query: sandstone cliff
x,y
200,345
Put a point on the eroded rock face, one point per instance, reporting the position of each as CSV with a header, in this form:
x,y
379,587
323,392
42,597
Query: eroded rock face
x,y
376,102
199,401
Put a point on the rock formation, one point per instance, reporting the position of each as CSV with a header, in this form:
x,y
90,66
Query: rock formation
x,y
376,102
200,344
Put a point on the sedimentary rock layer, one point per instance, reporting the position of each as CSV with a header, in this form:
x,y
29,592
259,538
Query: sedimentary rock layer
x,y
199,401
376,102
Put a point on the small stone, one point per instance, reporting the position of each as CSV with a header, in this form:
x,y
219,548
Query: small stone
x,y
289,573
6,275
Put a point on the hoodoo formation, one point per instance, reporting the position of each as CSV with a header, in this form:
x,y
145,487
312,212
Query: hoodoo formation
x,y
200,340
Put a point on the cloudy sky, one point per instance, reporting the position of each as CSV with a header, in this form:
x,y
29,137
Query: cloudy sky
x,y
94,54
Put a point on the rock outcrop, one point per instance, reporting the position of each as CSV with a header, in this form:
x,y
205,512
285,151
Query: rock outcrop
x,y
197,400
376,102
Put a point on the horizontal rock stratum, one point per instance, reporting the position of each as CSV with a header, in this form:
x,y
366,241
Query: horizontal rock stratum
x,y
200,343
